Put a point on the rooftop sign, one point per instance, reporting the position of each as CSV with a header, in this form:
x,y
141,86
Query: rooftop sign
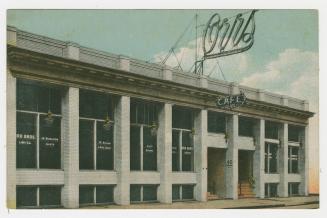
x,y
231,101
222,38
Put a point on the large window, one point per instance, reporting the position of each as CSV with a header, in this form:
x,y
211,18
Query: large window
x,y
182,140
96,194
293,159
96,126
143,193
271,130
271,158
216,122
38,196
38,130
245,127
143,136
182,192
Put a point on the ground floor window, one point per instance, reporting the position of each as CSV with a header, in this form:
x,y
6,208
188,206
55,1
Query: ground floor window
x,y
38,196
96,194
96,147
271,158
143,193
143,145
182,150
182,192
293,159
293,188
271,190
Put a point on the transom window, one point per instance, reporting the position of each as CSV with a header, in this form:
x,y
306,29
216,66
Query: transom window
x,y
293,159
143,135
96,127
216,122
182,140
38,125
271,158
294,133
245,127
271,130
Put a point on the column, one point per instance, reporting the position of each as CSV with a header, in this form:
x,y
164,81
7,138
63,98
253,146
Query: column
x,y
122,150
304,161
200,155
259,158
283,161
70,135
164,142
11,140
231,167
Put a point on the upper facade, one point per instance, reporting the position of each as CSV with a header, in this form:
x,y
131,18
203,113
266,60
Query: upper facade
x,y
36,57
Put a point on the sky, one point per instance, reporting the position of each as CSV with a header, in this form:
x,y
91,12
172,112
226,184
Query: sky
x,y
283,59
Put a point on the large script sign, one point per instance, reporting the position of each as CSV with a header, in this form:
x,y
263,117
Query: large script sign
x,y
221,38
231,101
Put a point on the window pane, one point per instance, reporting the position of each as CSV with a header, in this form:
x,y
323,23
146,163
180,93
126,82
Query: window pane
x,y
133,112
86,144
135,193
182,118
271,130
187,152
175,150
245,127
26,140
266,190
105,149
85,103
175,192
26,96
26,196
216,122
273,190
149,192
293,133
95,104
149,150
86,194
273,160
104,194
49,98
295,159
50,143
135,152
266,158
187,192
50,196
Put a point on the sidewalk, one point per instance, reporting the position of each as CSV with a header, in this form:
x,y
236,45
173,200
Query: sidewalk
x,y
250,203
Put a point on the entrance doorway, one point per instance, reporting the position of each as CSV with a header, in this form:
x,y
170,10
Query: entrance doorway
x,y
216,173
245,174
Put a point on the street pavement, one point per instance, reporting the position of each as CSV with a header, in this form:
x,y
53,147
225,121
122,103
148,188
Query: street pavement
x,y
248,203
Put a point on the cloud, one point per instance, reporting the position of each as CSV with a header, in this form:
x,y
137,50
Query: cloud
x,y
293,73
233,65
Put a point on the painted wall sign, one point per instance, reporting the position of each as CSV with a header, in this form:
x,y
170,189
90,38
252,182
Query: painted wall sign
x,y
222,38
231,101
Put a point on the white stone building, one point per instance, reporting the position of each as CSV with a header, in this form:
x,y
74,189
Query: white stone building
x,y
89,127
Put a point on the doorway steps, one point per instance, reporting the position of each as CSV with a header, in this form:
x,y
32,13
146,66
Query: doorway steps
x,y
245,191
211,196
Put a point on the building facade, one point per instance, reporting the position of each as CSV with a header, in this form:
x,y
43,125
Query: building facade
x,y
88,127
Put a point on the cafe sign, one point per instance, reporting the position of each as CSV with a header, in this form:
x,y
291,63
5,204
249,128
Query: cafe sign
x,y
231,101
